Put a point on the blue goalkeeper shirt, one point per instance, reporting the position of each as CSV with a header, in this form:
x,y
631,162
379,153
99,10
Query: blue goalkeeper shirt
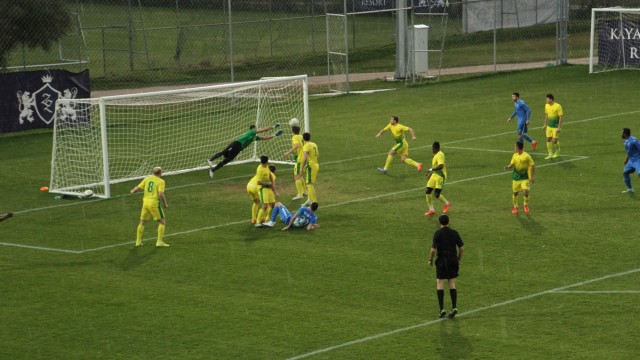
x,y
522,110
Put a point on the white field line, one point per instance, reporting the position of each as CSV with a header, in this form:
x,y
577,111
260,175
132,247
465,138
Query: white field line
x,y
448,183
327,163
492,306
349,159
597,292
43,248
326,206
166,236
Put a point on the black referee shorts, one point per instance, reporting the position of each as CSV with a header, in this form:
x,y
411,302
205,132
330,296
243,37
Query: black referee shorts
x,y
447,267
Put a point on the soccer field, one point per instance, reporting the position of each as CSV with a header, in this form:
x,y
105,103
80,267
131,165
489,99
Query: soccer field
x,y
561,282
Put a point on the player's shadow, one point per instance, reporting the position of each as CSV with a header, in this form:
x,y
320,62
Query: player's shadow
x,y
453,344
252,234
529,224
138,256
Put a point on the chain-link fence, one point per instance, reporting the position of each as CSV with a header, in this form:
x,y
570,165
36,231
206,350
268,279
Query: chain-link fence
x,y
134,43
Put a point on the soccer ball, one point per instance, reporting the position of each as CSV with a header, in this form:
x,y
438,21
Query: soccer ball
x,y
294,122
88,193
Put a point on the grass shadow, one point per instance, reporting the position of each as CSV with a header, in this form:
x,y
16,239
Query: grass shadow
x,y
137,256
529,224
454,344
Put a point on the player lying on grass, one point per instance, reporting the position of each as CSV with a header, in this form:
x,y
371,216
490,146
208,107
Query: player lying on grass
x,y
304,217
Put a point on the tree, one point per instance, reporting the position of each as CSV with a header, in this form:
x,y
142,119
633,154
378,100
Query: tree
x,y
34,23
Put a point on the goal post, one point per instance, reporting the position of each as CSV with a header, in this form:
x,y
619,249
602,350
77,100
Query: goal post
x,y
113,139
615,39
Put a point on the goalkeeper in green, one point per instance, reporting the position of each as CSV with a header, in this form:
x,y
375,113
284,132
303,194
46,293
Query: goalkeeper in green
x,y
232,150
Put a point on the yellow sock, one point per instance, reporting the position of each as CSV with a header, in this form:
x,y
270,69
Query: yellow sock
x,y
550,147
515,200
260,214
311,190
254,211
300,186
430,201
557,146
442,199
160,232
139,233
526,200
410,162
268,216
388,162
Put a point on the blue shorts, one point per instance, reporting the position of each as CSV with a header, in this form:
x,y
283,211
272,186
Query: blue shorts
x,y
632,166
522,128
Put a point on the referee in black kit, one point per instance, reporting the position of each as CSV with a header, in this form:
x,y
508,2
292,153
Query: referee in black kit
x,y
445,242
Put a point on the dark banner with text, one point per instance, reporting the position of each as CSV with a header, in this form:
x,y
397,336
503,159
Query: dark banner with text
x,y
618,42
28,99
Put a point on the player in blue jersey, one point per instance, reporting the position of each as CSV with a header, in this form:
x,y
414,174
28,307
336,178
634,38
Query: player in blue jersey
x,y
304,217
632,163
523,112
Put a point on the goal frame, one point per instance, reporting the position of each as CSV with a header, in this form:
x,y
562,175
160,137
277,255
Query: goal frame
x,y
103,103
618,10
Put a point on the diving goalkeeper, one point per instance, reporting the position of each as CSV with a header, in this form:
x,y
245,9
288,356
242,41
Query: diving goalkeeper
x,y
232,150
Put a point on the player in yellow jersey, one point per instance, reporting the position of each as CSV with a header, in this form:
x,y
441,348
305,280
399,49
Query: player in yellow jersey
x,y
296,149
552,123
522,175
153,189
267,190
310,167
253,189
436,177
401,147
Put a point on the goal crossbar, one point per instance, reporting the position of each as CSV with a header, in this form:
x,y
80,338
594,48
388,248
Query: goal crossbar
x,y
98,142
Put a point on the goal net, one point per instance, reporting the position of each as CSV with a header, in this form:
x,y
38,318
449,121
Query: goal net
x,y
102,141
615,39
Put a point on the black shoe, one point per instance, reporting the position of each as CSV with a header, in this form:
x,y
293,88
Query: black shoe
x,y
453,313
443,314
6,216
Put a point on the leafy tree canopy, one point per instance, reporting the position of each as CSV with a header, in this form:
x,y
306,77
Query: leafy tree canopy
x,y
34,23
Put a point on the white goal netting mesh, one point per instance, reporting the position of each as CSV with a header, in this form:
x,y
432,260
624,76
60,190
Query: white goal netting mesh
x,y
615,39
98,142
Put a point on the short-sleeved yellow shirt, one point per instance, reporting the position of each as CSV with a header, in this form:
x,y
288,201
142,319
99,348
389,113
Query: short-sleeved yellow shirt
x,y
151,187
438,159
553,113
397,131
521,164
311,148
297,139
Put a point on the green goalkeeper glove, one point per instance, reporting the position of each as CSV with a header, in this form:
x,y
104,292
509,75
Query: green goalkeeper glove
x,y
278,133
277,125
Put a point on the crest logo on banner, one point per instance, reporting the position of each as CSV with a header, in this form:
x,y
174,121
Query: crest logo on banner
x,y
43,101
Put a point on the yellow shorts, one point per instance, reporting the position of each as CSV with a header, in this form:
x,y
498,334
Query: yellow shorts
x,y
518,185
435,181
552,132
297,168
151,210
267,196
311,173
401,148
253,191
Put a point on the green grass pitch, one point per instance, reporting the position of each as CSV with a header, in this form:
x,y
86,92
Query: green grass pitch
x,y
559,283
